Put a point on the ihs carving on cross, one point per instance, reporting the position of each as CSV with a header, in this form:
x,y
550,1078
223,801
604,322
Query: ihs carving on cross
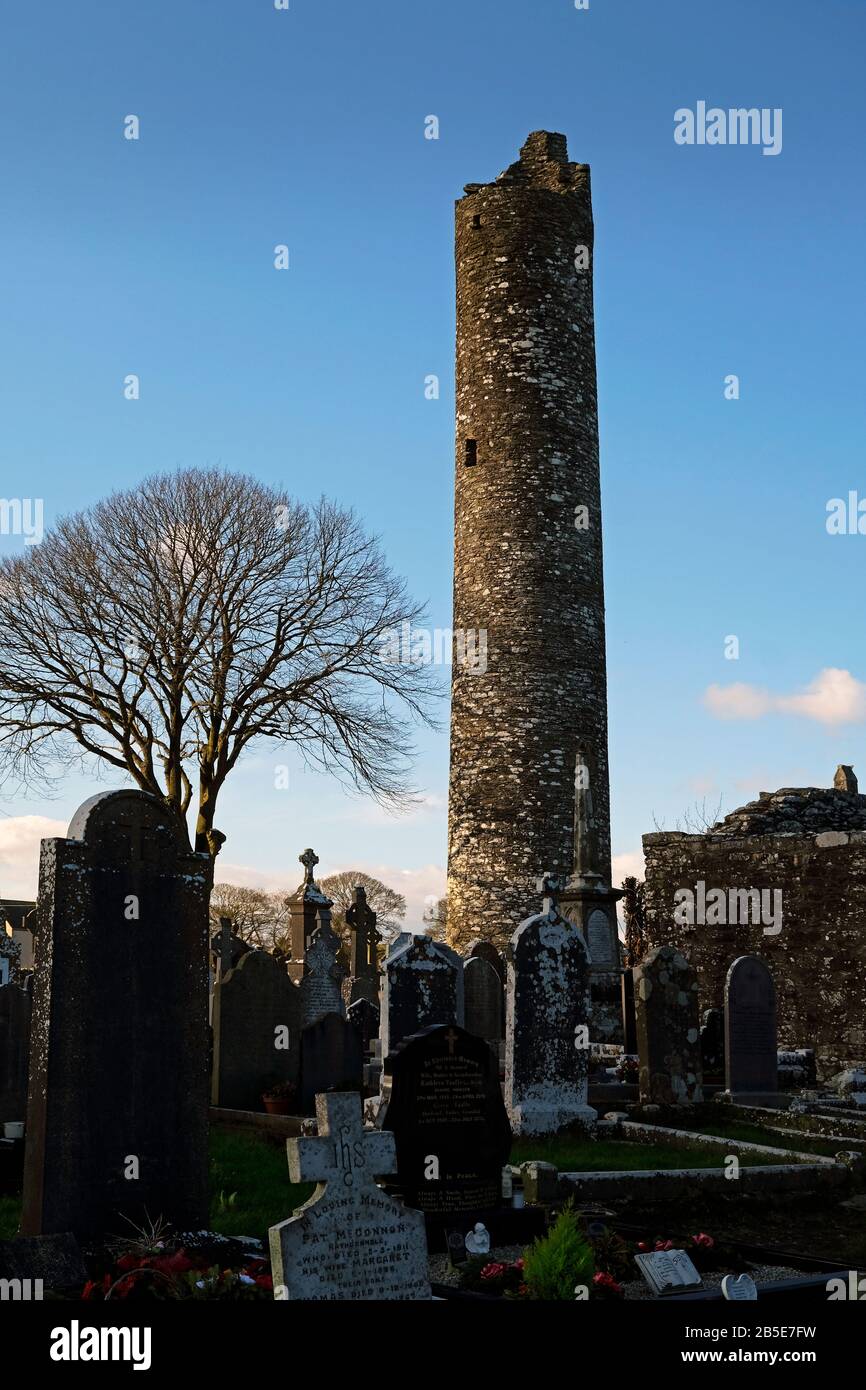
x,y
345,1154
309,861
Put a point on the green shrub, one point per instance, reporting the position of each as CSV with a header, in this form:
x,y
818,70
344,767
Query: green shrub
x,y
559,1261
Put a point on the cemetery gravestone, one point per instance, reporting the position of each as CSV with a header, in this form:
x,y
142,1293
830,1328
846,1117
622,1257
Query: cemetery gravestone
x,y
713,1042
350,1241
629,1021
255,1031
485,950
420,990
332,1057
118,1096
15,1008
547,1024
365,938
669,1271
483,1002
669,1044
442,1100
751,1062
364,1017
321,988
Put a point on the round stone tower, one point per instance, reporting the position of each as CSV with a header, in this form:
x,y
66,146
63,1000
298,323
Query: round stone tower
x,y
528,679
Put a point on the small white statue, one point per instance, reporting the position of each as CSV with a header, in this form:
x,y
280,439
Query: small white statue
x,y
478,1240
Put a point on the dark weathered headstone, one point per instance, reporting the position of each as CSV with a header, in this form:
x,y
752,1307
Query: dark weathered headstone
x,y
629,1018
713,1042
751,1063
443,1102
350,1241
361,919
256,1032
364,1016
421,989
547,1047
305,907
321,988
118,1098
332,1058
668,1036
15,1007
483,1000
485,950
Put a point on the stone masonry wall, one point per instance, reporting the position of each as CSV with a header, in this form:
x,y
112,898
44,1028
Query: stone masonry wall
x,y
523,571
810,843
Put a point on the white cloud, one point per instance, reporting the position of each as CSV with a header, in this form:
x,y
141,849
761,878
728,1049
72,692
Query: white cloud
x,y
627,865
833,697
20,838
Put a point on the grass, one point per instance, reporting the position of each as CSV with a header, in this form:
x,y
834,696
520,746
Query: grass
x,y
757,1134
250,1187
578,1155
10,1210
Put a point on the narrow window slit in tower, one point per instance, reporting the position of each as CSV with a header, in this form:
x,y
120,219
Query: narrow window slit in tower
x,y
471,452
476,220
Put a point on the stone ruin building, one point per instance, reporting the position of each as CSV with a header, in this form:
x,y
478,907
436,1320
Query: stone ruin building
x,y
809,843
528,545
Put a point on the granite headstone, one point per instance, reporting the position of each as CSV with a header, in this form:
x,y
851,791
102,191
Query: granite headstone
x,y
443,1102
117,1115
751,1062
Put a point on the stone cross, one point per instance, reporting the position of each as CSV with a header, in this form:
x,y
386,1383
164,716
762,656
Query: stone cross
x,y
345,1154
350,1241
309,861
549,886
362,919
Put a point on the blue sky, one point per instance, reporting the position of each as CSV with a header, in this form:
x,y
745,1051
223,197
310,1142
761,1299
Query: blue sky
x,y
306,127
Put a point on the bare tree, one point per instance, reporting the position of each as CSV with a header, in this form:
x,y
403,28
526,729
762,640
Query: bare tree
x,y
388,905
258,918
165,629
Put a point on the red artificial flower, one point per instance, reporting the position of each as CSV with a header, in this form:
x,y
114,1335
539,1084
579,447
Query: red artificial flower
x,y
664,1245
606,1281
643,1247
265,1281
704,1240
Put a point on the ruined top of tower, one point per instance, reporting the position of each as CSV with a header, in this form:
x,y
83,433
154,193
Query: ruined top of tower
x,y
543,163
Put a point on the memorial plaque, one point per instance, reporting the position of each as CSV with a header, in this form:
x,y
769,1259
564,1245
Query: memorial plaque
x,y
350,1241
668,1272
751,1060
443,1102
599,935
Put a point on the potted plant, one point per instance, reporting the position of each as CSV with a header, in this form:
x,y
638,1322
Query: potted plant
x,y
279,1099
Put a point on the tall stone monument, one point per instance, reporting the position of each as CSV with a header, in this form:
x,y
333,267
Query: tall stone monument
x,y
590,902
528,541
547,1023
118,1096
361,919
304,906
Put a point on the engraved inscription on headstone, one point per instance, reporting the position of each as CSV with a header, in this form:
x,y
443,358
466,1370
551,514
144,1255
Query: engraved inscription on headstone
x,y
350,1241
